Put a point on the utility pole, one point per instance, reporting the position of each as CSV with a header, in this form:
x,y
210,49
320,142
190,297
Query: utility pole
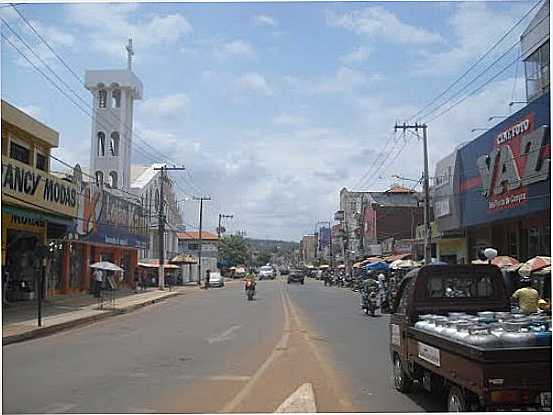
x,y
201,199
221,216
161,222
427,228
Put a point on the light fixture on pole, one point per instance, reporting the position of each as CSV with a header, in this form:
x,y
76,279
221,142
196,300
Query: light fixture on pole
x,y
478,129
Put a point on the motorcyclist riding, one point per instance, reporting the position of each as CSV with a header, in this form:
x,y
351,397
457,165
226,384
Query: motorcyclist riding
x,y
250,283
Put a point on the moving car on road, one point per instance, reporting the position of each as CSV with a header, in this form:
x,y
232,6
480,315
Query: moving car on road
x,y
296,275
216,279
267,273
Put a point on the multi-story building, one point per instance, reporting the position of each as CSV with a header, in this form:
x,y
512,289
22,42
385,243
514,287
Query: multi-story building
x,y
391,216
37,206
146,183
501,180
308,249
189,244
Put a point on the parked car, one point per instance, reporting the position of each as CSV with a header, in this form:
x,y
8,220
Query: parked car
x,y
267,272
296,275
216,279
284,270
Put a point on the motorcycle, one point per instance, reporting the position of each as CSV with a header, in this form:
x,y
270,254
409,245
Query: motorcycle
x,y
340,281
369,303
250,290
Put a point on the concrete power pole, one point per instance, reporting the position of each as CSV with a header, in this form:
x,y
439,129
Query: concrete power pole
x,y
221,216
427,227
200,239
161,222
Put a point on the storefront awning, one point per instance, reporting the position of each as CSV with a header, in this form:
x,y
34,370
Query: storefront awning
x,y
37,215
156,265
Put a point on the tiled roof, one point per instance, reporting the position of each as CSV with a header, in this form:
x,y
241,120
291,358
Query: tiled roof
x,y
206,236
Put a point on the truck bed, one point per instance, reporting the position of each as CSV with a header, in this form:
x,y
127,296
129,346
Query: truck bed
x,y
480,354
482,370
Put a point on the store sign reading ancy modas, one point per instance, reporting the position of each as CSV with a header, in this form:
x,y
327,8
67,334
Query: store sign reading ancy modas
x,y
38,189
514,163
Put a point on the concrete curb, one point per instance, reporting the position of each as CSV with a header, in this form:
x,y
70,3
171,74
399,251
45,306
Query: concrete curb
x,y
56,328
301,401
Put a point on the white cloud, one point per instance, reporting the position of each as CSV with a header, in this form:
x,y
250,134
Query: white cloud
x,y
252,83
345,80
469,43
287,119
358,55
238,48
265,20
109,26
169,106
378,22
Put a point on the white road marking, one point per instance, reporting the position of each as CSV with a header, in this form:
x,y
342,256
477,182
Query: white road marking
x,y
277,351
226,335
301,401
58,408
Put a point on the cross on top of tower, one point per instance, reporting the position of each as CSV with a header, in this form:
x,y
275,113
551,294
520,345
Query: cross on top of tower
x,y
130,54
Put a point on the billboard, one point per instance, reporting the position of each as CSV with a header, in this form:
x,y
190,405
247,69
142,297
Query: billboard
x,y
324,238
505,173
107,217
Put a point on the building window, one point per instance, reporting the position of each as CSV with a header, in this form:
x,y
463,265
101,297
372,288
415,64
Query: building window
x,y
101,144
114,144
41,162
99,178
116,98
102,98
113,180
20,153
537,72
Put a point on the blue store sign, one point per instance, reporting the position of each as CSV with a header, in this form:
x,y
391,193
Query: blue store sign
x,y
506,172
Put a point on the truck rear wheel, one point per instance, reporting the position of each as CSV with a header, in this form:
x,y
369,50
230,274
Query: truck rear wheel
x,y
401,380
456,400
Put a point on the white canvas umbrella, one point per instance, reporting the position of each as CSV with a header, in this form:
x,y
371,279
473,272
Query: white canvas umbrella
x,y
106,266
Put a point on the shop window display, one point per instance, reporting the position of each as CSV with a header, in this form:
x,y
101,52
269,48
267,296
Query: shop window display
x,y
54,280
22,267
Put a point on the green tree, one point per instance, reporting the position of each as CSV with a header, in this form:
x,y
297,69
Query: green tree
x,y
263,259
234,250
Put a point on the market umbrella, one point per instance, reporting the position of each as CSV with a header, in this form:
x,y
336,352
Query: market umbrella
x,y
403,263
106,266
543,271
376,266
534,264
503,261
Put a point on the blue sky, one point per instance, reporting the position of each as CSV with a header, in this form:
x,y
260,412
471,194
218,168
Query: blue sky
x,y
273,107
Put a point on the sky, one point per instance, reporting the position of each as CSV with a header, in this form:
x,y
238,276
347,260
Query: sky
x,y
275,107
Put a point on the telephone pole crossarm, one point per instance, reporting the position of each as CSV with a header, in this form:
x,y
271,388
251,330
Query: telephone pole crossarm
x,y
427,227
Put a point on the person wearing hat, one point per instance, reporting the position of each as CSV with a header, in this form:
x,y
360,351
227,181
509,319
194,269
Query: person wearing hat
x,y
528,298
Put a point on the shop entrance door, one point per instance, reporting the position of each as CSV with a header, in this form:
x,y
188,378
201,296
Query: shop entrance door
x,y
22,265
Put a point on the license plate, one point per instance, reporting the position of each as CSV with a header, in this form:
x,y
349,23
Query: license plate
x,y
545,399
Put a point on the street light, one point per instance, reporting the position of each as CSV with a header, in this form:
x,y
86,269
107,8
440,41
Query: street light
x,y
478,129
493,117
517,102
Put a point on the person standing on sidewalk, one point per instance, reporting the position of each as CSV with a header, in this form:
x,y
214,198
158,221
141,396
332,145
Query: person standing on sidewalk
x,y
98,276
207,273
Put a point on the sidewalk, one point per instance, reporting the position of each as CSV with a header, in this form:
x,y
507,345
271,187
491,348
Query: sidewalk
x,y
19,321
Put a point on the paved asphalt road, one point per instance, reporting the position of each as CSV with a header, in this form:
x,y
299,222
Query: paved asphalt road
x,y
213,352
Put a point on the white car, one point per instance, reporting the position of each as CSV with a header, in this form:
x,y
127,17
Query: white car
x,y
266,272
216,279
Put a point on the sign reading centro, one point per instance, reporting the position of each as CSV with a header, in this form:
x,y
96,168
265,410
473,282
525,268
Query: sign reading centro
x,y
40,189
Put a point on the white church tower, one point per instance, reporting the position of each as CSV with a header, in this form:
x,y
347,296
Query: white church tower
x,y
114,92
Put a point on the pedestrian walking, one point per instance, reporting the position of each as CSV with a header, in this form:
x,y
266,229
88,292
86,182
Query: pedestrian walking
x,y
207,273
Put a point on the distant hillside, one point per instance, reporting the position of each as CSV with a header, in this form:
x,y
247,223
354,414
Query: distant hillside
x,y
268,245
